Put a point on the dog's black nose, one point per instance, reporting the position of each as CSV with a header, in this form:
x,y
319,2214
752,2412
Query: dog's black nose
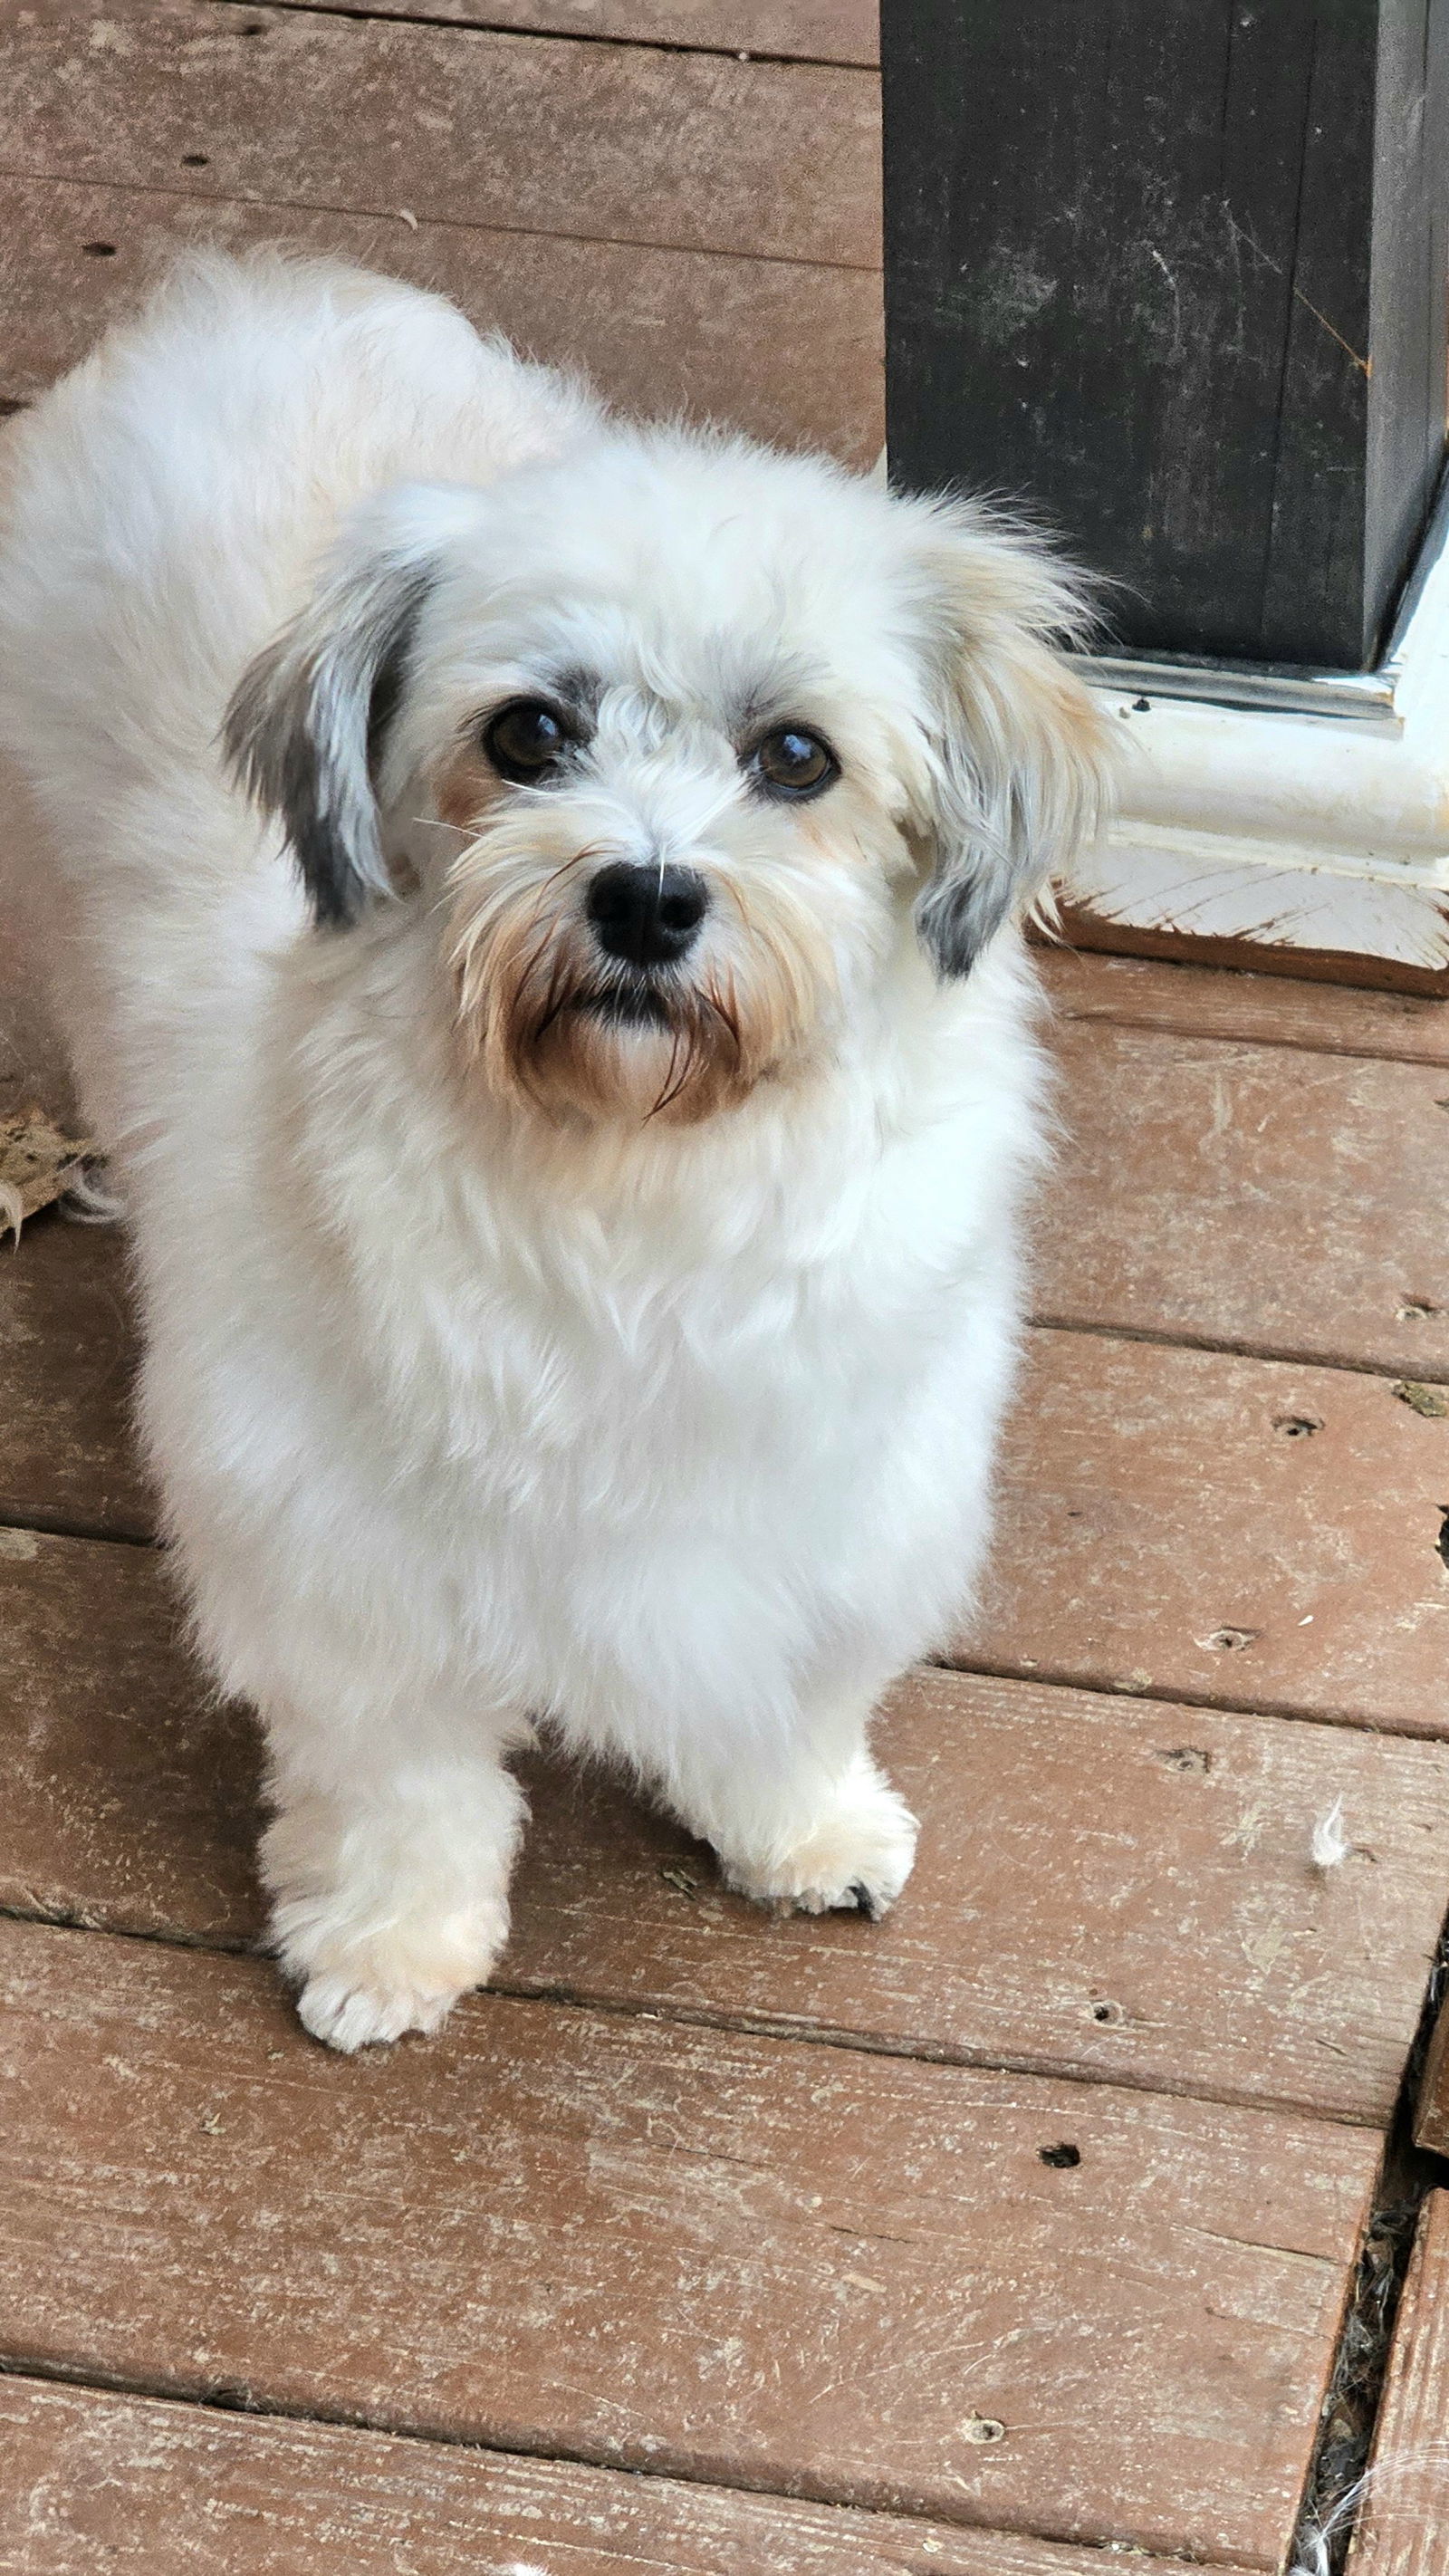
x,y
647,915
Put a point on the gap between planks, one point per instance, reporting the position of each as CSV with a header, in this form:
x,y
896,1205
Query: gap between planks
x,y
1213,1704
283,206
294,2492
742,2023
542,25
1230,1348
1241,1007
1403,2526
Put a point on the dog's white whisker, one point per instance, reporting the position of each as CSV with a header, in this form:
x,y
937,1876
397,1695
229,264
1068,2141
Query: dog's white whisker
x,y
633,1237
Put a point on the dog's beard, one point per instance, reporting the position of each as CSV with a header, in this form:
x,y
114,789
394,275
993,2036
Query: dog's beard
x,y
549,1019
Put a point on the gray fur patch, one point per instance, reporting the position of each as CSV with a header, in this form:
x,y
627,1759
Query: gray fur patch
x,y
307,725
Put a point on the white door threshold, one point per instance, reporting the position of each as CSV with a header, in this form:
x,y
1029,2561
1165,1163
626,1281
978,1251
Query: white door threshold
x,y
1297,822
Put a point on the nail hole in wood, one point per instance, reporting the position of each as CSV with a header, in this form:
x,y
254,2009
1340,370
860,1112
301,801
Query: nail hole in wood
x,y
982,2428
99,250
1061,2158
1108,2012
1297,1426
195,160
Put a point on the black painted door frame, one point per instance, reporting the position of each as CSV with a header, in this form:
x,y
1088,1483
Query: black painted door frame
x,y
1173,272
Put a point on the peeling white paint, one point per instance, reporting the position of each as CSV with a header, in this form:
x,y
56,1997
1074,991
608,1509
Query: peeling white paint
x,y
1286,829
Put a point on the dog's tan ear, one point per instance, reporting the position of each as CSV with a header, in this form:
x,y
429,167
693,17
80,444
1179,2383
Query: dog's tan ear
x,y
1020,756
306,726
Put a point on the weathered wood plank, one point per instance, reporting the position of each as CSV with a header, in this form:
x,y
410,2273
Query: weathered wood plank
x,y
674,150
131,1797
657,330
1222,1962
93,2484
32,1064
1251,1533
811,31
32,1059
1431,2121
741,2259
1249,1195
1403,2525
67,1460
1197,1001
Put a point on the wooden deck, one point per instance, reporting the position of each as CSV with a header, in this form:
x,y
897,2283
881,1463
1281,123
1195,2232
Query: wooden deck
x,y
1019,2227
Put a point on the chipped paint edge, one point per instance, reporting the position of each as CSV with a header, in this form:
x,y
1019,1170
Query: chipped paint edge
x,y
1287,830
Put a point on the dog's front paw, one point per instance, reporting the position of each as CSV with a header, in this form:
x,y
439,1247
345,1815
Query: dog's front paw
x,y
363,1990
856,1853
381,1921
349,2016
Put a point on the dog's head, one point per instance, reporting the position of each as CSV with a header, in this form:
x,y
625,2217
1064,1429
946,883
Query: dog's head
x,y
683,740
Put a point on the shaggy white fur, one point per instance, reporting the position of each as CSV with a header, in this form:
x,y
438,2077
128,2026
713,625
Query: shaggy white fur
x,y
573,1140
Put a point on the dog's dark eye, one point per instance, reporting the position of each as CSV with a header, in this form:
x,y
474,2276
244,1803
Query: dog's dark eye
x,y
525,741
794,763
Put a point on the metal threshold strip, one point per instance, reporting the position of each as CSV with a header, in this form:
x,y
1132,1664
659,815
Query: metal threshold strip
x,y
1359,697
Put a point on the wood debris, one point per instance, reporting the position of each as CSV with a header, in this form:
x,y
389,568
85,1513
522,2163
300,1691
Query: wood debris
x,y
37,1164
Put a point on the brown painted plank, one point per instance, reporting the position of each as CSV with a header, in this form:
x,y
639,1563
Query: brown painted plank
x,y
131,1797
810,31
1403,2525
1223,1963
1205,1002
32,1059
682,151
741,2259
657,330
32,1062
1431,2122
1249,1195
93,2484
1252,1533
67,1460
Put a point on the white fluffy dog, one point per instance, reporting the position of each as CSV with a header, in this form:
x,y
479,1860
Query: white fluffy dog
x,y
537,907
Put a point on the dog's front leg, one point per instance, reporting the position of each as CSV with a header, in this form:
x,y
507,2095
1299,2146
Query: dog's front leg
x,y
807,1819
387,1860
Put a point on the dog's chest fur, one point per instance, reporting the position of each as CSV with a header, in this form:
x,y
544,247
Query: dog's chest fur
x,y
615,1425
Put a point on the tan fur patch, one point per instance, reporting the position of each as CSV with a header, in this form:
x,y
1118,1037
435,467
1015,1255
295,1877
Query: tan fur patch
x,y
532,993
465,788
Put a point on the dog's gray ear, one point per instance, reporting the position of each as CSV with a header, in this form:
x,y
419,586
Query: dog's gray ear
x,y
307,724
1020,755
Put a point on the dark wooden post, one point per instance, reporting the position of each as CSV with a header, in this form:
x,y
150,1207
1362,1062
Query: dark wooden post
x,y
1174,271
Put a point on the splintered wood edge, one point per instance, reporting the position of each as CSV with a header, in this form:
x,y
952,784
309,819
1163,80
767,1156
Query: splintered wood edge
x,y
1087,929
1431,2120
1403,2527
